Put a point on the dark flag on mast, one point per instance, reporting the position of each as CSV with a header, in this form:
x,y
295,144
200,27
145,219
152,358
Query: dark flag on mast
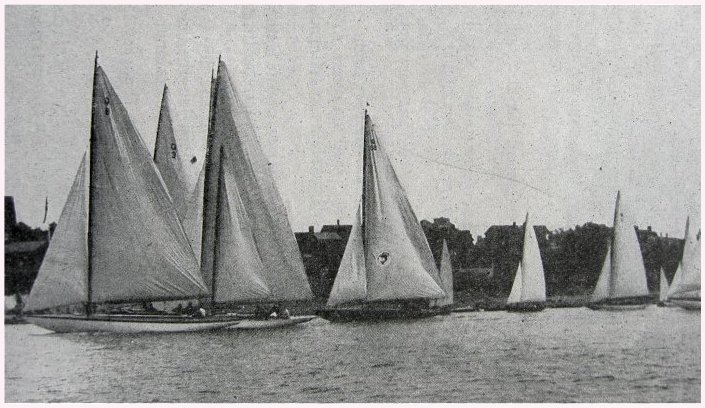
x,y
46,209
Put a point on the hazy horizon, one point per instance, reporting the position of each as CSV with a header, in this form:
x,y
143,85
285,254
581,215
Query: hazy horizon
x,y
487,112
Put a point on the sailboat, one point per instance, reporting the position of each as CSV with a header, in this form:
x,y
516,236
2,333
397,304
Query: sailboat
x,y
118,240
663,287
529,289
168,158
685,288
622,281
446,279
387,270
249,255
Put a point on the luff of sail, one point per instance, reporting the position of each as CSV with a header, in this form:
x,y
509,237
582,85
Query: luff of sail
x,y
168,158
398,261
61,279
132,213
688,282
531,280
231,130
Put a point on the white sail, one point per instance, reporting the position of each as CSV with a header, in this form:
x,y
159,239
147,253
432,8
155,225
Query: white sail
x,y
239,269
628,275
61,279
515,294
193,221
602,289
533,288
138,248
398,260
676,279
284,271
446,275
663,287
351,281
168,158
689,280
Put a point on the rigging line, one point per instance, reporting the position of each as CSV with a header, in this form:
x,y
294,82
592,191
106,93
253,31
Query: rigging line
x,y
486,173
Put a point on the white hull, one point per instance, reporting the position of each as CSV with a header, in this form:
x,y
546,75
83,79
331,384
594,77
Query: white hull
x,y
617,307
685,304
251,324
128,324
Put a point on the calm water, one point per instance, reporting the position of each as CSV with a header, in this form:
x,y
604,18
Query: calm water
x,y
557,355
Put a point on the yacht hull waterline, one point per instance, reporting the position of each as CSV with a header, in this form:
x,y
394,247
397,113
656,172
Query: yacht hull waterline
x,y
129,323
253,324
688,304
622,303
378,313
525,307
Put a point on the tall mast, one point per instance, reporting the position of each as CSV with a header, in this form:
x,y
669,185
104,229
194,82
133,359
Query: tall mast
x,y
364,178
91,166
210,204
612,244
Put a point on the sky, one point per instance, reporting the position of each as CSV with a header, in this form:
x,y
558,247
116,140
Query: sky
x,y
488,112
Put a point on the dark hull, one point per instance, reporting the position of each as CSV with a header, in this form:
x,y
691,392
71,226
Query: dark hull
x,y
525,307
342,315
622,303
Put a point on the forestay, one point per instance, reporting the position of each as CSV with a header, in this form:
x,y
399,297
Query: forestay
x,y
398,260
231,127
61,279
168,158
132,213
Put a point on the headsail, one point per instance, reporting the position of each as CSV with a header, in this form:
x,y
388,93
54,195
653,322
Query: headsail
x,y
132,213
232,130
168,158
628,275
689,282
446,275
351,281
398,260
61,279
533,288
602,289
193,221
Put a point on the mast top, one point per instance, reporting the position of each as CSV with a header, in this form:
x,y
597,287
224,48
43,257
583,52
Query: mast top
x,y
96,58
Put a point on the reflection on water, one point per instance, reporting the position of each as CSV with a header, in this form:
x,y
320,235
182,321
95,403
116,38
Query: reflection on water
x,y
558,355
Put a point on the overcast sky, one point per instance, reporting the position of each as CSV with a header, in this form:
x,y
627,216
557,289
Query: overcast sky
x,y
487,112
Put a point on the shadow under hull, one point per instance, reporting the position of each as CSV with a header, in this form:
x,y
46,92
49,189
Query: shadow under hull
x,y
622,303
381,313
522,307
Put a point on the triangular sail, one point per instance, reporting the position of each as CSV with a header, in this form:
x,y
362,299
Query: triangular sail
x,y
193,221
351,281
602,289
689,282
168,158
138,247
284,270
533,288
677,277
515,294
663,287
62,277
628,275
446,275
239,270
398,260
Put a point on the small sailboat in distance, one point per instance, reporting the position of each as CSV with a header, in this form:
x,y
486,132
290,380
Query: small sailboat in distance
x,y
663,287
622,281
529,289
168,158
118,239
685,288
387,270
446,282
249,255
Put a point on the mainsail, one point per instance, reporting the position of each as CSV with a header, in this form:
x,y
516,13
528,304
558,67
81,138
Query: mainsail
x,y
663,287
129,212
168,158
398,263
623,272
687,283
235,156
529,283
